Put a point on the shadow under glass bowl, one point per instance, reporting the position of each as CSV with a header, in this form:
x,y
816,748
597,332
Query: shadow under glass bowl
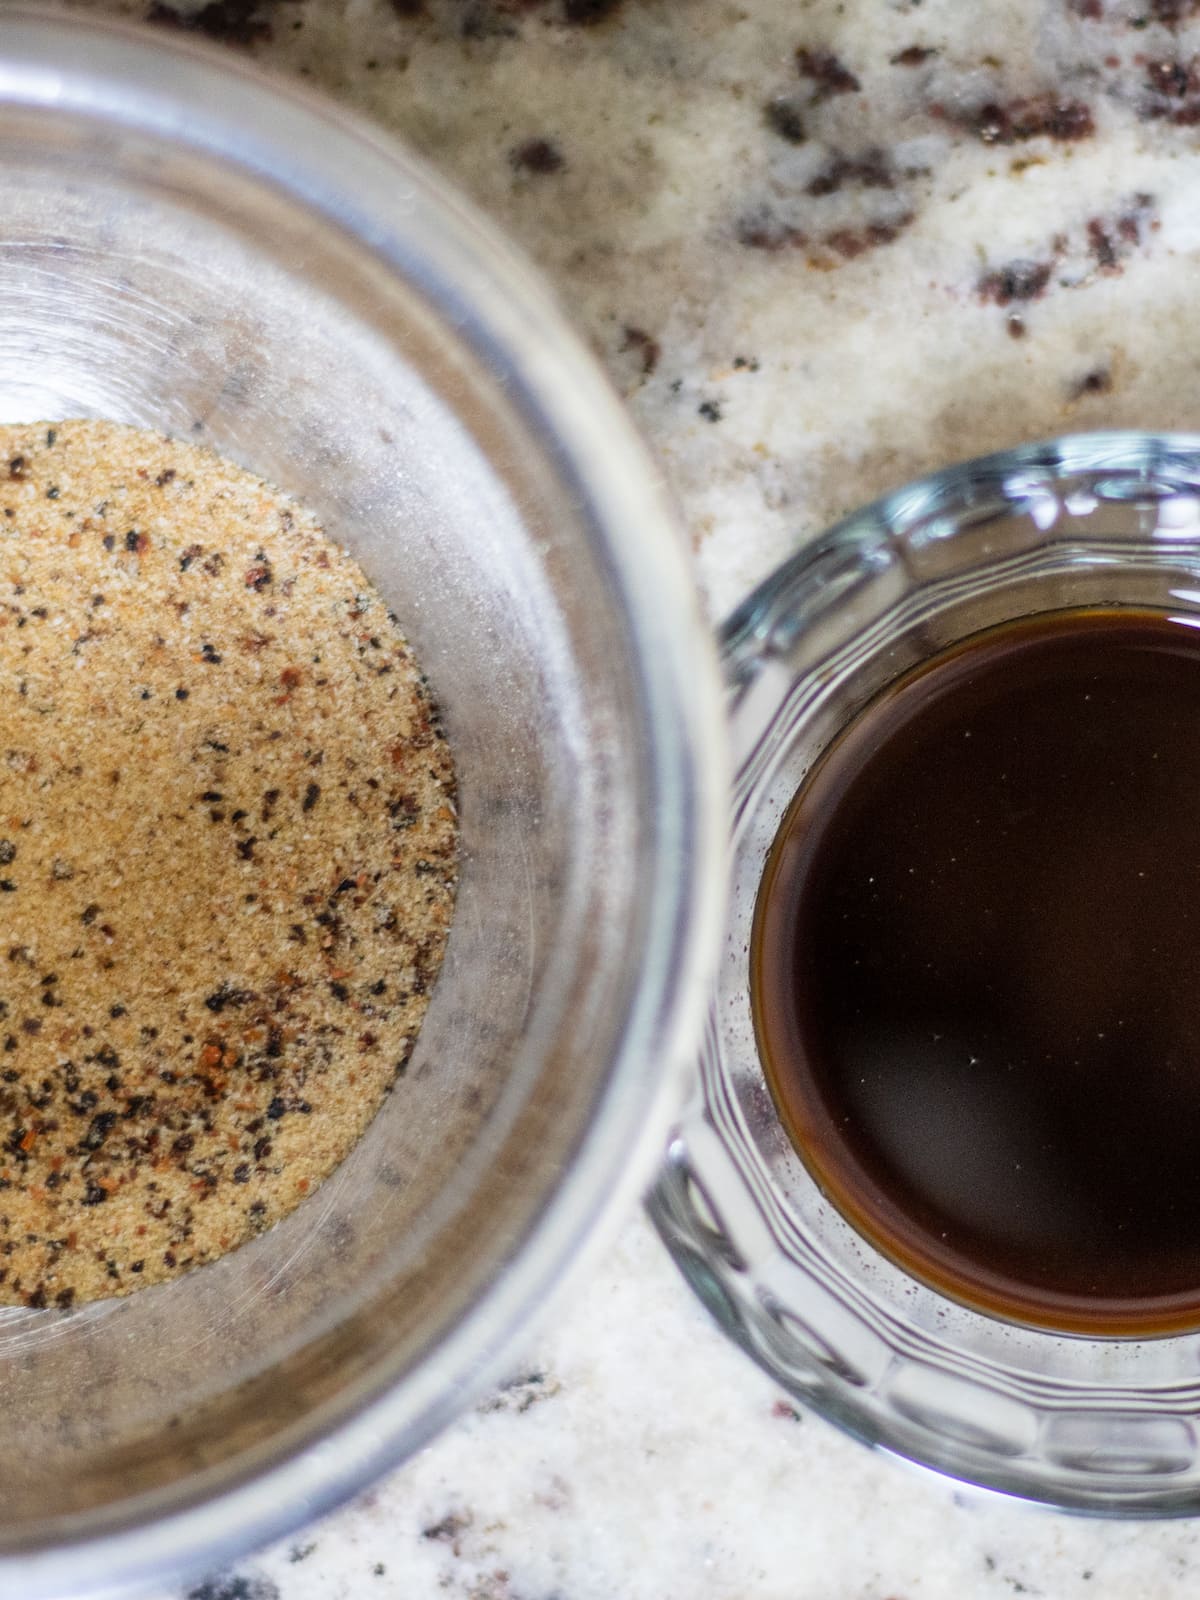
x,y
1104,1425
189,247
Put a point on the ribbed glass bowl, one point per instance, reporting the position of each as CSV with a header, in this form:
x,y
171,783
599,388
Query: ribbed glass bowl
x,y
1105,1425
190,246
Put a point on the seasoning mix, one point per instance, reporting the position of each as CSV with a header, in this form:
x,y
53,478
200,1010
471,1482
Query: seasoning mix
x,y
228,847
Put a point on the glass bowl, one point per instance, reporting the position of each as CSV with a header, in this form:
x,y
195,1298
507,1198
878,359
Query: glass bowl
x,y
188,246
1104,1425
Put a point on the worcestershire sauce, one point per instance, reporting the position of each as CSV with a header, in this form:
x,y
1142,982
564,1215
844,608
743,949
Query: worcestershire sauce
x,y
976,972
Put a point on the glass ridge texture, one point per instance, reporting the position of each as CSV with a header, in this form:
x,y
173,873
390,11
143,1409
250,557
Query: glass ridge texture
x,y
1112,1425
191,247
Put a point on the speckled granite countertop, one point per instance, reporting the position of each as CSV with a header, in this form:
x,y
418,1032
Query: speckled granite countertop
x,y
821,245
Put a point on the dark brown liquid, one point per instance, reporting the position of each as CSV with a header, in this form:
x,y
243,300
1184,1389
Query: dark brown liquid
x,y
976,972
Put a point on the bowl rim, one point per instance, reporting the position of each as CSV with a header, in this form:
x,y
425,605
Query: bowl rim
x,y
196,95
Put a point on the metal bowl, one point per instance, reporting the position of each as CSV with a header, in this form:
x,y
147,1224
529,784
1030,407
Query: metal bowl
x,y
188,246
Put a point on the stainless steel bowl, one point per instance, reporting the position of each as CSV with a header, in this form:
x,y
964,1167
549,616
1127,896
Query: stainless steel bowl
x,y
187,246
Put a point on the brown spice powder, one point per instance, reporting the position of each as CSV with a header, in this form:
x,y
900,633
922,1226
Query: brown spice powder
x,y
228,847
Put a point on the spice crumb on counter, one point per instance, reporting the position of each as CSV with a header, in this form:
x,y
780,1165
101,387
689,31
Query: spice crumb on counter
x,y
228,843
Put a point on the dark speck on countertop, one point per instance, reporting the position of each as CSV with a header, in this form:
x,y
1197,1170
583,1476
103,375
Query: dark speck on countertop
x,y
829,74
231,21
1017,280
235,1586
643,346
786,118
449,1528
538,156
1098,380
520,1393
587,13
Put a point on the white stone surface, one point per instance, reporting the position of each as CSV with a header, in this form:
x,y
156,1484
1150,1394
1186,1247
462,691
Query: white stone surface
x,y
640,1457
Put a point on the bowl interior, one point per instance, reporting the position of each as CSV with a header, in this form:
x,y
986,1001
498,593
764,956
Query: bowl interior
x,y
150,276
